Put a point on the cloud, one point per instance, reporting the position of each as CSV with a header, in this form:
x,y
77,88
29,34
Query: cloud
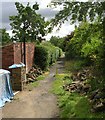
x,y
48,13
43,3
65,29
8,9
6,26
0,14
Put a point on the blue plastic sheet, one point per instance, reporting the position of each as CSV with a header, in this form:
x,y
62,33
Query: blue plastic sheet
x,y
17,65
6,93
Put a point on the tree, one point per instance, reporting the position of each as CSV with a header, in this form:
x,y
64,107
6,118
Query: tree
x,y
86,43
82,11
78,11
27,23
5,37
59,42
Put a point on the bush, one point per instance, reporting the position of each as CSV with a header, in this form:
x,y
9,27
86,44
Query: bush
x,y
59,42
86,43
70,52
46,54
54,52
41,57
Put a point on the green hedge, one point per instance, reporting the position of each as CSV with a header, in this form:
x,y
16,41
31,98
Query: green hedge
x,y
41,57
46,54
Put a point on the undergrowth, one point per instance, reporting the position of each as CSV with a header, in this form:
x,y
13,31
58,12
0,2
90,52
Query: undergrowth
x,y
74,65
72,105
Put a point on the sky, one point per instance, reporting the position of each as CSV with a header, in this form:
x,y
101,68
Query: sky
x,y
7,8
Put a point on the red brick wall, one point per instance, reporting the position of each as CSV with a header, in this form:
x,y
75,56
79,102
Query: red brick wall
x,y
14,54
30,49
7,56
17,53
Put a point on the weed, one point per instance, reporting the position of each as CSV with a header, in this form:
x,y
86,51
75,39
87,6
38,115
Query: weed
x,y
74,65
72,105
42,77
32,85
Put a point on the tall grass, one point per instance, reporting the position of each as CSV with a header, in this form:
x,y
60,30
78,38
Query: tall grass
x,y
72,105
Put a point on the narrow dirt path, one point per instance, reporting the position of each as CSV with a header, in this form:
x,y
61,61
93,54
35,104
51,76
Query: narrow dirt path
x,y
38,103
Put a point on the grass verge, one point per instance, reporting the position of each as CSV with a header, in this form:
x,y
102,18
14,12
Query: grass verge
x,y
34,84
72,105
74,65
42,77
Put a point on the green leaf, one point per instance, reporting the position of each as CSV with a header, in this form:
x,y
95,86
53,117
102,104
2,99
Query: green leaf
x,y
36,6
27,21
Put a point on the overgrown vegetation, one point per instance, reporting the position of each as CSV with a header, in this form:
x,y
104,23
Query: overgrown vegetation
x,y
88,42
84,44
74,65
84,96
72,104
46,54
85,52
59,42
89,48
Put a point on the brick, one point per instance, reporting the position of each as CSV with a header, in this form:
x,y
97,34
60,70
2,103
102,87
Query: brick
x,y
18,77
14,54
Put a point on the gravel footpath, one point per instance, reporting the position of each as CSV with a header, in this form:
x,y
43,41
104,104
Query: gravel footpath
x,y
38,103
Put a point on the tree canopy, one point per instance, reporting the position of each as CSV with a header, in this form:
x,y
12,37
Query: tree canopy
x,y
5,37
27,23
79,11
82,12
